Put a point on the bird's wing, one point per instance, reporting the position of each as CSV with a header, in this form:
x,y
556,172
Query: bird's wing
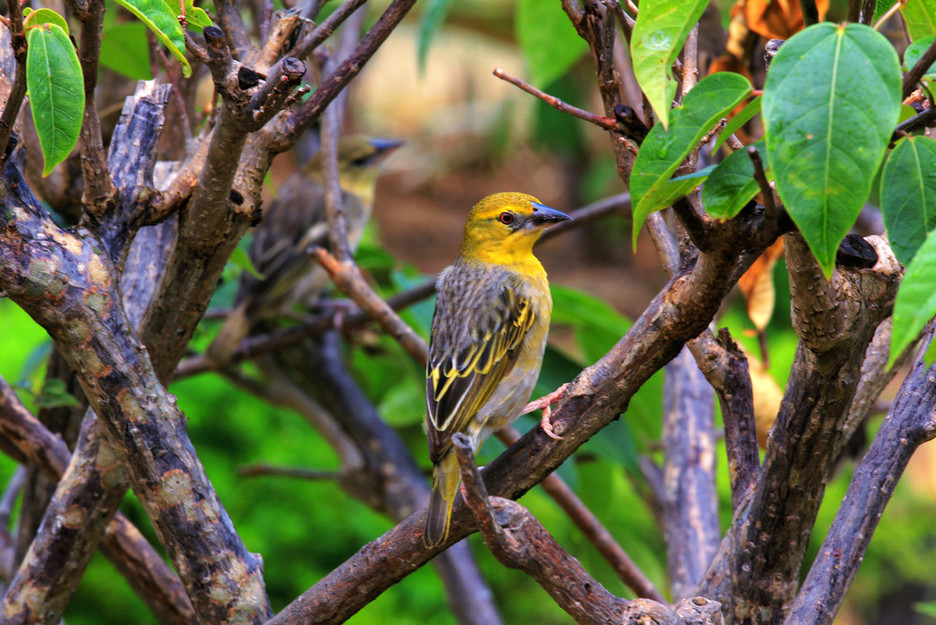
x,y
293,223
474,344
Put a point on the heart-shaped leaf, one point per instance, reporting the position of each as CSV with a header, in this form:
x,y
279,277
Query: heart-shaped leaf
x,y
831,100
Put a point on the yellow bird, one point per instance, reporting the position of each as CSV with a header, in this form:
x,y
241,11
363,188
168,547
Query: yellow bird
x,y
294,223
488,337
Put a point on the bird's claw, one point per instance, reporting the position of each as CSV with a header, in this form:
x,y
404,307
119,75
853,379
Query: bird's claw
x,y
545,403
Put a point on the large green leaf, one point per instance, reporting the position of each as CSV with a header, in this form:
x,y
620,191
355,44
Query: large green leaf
x,y
731,186
659,34
664,150
56,91
547,39
160,19
830,104
916,298
920,16
908,195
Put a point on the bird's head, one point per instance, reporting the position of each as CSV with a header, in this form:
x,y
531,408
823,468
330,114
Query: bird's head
x,y
503,227
359,160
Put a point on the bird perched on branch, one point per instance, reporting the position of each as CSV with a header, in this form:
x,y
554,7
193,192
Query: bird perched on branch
x,y
488,337
294,223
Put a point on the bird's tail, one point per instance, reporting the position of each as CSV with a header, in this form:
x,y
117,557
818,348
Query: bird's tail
x,y
445,480
235,329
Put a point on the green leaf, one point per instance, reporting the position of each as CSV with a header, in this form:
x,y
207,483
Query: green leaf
x,y
54,394
56,92
547,39
916,299
830,104
913,53
659,34
908,195
124,50
745,115
664,150
159,18
731,186
43,16
434,13
195,17
241,258
920,16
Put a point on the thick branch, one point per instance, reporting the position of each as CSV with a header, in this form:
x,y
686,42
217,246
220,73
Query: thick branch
x,y
75,298
910,423
726,369
757,567
690,503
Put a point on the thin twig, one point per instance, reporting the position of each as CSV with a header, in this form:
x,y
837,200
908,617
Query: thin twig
x,y
770,207
890,12
606,123
344,73
99,189
255,470
917,121
347,277
919,68
314,39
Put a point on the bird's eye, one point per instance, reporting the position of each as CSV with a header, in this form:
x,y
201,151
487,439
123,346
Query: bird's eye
x,y
506,218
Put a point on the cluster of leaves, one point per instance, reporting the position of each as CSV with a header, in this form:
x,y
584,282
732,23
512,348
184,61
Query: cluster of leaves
x,y
830,104
54,77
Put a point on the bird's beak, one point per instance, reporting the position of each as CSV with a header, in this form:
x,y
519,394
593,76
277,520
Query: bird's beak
x,y
543,215
383,147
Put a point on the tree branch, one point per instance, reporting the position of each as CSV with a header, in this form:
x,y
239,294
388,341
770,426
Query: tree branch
x,y
605,123
519,541
756,569
910,423
690,503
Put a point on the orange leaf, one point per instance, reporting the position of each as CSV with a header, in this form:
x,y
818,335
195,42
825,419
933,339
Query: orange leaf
x,y
775,19
758,288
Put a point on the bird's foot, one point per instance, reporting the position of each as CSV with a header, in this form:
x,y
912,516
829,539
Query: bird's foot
x,y
545,404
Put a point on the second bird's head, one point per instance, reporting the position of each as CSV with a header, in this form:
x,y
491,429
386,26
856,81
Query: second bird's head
x,y
503,227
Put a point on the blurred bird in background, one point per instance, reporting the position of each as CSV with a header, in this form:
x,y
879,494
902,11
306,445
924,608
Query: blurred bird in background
x,y
488,337
294,223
